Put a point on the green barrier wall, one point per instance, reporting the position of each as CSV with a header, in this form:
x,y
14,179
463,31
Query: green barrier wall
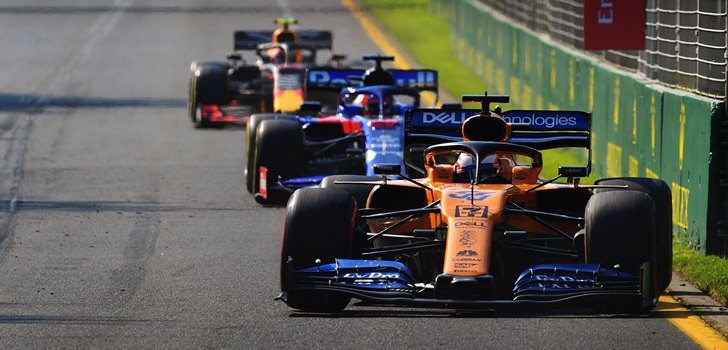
x,y
639,129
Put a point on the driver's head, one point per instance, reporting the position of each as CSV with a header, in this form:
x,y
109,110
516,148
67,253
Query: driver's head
x,y
276,55
369,104
487,169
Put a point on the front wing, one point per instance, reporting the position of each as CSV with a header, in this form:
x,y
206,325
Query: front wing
x,y
390,282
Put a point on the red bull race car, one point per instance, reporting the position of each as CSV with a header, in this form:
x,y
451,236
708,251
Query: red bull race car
x,y
481,229
229,92
287,151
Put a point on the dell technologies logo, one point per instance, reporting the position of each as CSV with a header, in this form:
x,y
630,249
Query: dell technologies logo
x,y
414,78
547,122
445,117
536,121
333,78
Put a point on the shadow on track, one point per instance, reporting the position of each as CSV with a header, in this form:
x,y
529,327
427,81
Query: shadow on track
x,y
102,206
72,320
398,312
31,103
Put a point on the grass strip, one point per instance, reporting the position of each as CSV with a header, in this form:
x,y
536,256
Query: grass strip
x,y
707,273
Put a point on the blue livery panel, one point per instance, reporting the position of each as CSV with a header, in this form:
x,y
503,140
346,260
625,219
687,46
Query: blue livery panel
x,y
331,78
542,282
558,279
439,121
420,79
534,128
366,274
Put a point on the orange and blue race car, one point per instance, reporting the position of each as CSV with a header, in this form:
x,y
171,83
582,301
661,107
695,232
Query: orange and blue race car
x,y
481,229
228,92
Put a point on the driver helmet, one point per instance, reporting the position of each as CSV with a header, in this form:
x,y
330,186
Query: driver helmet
x,y
487,169
369,104
276,55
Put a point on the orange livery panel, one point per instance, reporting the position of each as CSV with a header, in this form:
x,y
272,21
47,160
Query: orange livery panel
x,y
471,215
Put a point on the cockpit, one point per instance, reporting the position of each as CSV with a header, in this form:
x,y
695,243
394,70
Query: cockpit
x,y
377,104
459,164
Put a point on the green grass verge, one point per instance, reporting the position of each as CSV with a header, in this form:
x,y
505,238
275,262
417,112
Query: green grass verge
x,y
708,273
427,37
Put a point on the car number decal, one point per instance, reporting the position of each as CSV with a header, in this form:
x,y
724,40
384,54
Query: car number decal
x,y
471,212
471,195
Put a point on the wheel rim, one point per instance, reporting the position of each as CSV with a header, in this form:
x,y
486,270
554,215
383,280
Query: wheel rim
x,y
198,115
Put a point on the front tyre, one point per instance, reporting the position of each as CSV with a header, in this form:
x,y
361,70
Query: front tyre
x,y
208,84
620,230
251,129
279,148
318,228
660,193
360,192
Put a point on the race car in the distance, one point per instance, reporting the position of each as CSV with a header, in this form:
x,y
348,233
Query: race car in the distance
x,y
289,151
228,92
482,230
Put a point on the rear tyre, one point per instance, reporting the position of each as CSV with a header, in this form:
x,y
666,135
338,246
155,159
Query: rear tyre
x,y
250,139
279,148
620,230
662,196
319,225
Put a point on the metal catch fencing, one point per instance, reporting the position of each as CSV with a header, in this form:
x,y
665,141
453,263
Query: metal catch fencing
x,y
686,40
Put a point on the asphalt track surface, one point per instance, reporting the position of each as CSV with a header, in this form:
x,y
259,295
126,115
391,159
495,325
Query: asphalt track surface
x,y
124,227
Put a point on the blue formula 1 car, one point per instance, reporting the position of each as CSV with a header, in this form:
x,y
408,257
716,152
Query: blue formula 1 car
x,y
290,151
481,229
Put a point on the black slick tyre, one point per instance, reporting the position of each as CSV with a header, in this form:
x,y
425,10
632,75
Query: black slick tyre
x,y
193,106
359,192
620,229
279,148
208,85
250,146
318,228
660,193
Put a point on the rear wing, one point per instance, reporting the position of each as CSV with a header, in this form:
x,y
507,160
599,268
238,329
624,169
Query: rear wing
x,y
337,79
538,129
550,129
250,39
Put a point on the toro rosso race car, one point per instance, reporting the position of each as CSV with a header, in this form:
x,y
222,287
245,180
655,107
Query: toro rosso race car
x,y
290,151
481,230
229,92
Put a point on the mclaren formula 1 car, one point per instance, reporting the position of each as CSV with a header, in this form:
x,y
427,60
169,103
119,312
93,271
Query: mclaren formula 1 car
x,y
482,230
229,92
290,151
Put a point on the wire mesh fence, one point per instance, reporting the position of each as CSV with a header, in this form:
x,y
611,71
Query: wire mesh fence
x,y
686,40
